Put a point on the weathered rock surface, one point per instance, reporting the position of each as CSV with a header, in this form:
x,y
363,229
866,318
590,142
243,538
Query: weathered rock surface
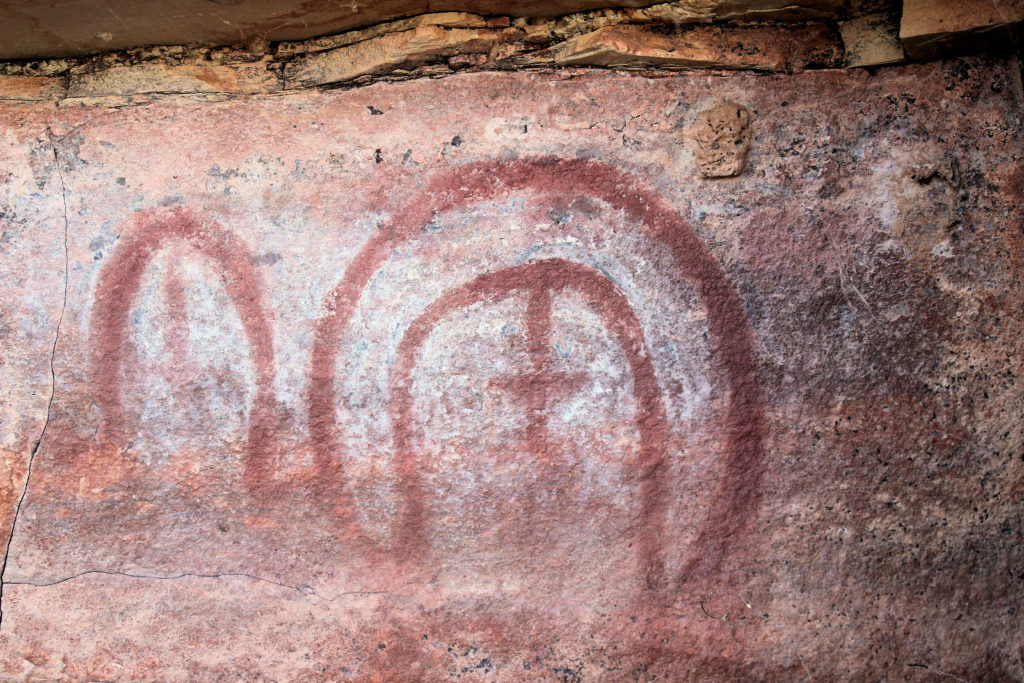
x,y
758,48
39,29
31,88
721,137
477,378
32,268
872,40
167,78
411,48
427,45
935,27
444,19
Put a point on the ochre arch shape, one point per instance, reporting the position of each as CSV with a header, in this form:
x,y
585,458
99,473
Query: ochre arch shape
x,y
119,282
739,494
541,278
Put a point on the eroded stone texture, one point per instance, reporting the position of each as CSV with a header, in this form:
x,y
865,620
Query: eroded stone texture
x,y
411,47
721,138
31,88
181,78
872,40
935,27
427,45
475,378
444,19
32,286
77,27
760,48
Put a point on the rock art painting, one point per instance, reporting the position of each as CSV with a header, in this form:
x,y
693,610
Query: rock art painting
x,y
117,291
539,280
186,234
480,378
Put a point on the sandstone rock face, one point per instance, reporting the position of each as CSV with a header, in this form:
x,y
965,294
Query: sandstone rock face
x,y
32,269
935,27
477,378
77,27
872,40
759,48
722,140
404,48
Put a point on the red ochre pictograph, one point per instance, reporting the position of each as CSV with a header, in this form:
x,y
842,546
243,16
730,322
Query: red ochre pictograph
x,y
732,509
539,280
147,234
735,504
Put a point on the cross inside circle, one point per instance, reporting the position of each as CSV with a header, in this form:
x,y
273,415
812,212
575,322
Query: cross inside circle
x,y
539,387
544,384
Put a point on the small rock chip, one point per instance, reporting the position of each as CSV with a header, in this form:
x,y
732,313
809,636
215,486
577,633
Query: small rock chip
x,y
722,137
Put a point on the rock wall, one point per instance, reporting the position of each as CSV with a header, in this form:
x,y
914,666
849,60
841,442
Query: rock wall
x,y
566,375
35,30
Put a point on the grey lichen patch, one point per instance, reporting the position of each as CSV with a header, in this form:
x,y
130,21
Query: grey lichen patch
x,y
721,137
